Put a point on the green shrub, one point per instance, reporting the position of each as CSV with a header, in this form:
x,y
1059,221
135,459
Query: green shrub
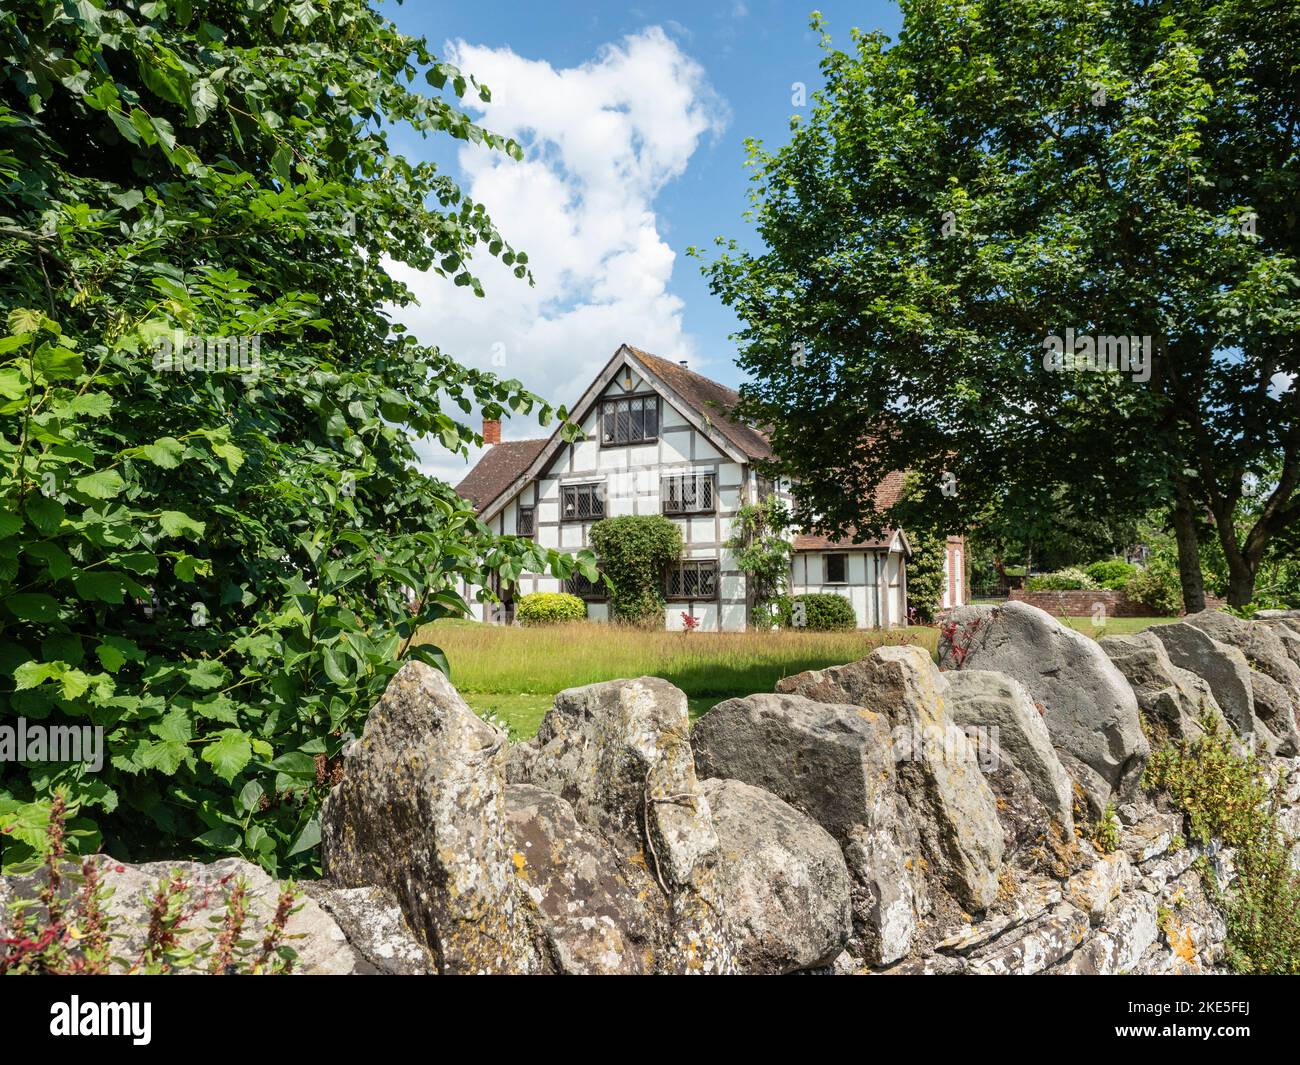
x,y
1156,586
634,551
215,542
548,608
1227,796
1113,573
926,574
821,612
1063,580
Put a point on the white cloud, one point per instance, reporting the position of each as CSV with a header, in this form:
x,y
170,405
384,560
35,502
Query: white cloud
x,y
601,141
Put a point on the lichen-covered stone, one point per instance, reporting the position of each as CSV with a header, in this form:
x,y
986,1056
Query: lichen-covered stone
x,y
600,915
1034,947
1095,888
781,879
985,699
373,922
1275,709
421,810
1088,706
1260,643
1221,665
951,803
1119,944
835,764
620,753
1174,701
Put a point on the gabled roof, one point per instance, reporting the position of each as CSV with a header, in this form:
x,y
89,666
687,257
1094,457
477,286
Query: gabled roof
x,y
499,467
710,398
701,402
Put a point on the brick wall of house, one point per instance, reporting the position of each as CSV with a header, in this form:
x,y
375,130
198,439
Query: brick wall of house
x,y
1081,604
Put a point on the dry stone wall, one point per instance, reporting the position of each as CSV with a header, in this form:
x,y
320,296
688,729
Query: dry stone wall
x,y
887,816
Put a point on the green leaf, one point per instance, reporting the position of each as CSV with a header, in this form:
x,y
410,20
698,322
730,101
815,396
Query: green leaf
x,y
426,652
101,585
187,567
45,513
206,675
250,795
307,838
229,754
175,523
33,606
32,674
56,363
174,726
166,452
103,484
55,559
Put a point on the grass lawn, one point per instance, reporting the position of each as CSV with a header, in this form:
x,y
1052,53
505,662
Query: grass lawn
x,y
514,673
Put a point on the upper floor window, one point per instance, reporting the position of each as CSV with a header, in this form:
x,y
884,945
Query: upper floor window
x,y
525,524
692,579
835,569
634,420
689,493
582,502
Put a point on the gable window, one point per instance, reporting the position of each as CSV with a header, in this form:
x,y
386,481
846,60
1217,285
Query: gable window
x,y
525,524
692,579
584,589
634,420
835,568
582,502
688,493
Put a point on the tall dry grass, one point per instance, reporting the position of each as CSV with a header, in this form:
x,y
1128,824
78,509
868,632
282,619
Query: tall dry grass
x,y
546,659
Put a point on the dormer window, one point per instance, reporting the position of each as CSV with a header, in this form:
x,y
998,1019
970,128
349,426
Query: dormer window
x,y
632,420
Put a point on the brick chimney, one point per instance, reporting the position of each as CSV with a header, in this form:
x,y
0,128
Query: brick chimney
x,y
491,432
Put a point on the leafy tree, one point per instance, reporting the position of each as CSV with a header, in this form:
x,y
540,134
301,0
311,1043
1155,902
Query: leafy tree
x,y
633,551
760,545
1004,173
214,540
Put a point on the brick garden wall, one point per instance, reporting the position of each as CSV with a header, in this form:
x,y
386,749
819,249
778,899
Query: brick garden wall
x,y
1081,604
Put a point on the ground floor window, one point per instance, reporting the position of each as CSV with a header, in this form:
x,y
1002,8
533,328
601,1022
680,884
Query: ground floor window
x,y
692,579
835,569
583,588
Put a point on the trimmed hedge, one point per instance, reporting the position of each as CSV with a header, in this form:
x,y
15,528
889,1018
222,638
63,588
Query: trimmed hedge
x,y
1113,573
549,608
1070,579
822,612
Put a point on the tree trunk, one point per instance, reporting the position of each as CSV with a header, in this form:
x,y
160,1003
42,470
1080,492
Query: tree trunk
x,y
1241,584
1189,554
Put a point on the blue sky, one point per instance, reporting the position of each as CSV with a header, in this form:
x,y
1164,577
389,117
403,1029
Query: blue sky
x,y
633,118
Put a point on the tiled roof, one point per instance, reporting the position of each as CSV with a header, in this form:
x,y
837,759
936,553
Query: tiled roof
x,y
711,399
497,469
887,493
808,542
